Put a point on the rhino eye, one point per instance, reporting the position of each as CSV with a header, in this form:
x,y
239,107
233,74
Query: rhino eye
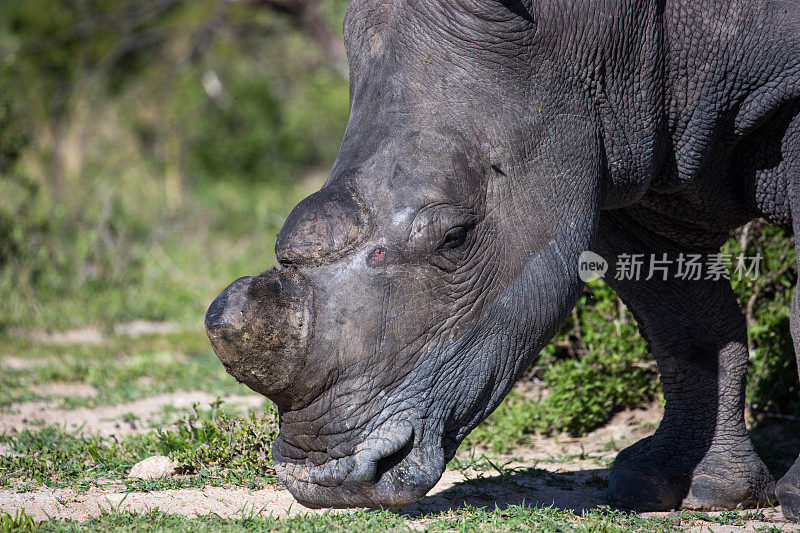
x,y
454,238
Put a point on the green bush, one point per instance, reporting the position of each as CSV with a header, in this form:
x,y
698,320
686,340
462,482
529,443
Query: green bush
x,y
222,441
597,366
583,394
773,387
253,134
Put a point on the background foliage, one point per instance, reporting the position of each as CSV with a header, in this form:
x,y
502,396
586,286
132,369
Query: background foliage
x,y
149,152
153,148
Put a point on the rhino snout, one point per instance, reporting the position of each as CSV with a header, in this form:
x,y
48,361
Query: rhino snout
x,y
390,469
259,328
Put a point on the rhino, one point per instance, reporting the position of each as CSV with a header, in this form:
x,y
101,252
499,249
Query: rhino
x,y
490,144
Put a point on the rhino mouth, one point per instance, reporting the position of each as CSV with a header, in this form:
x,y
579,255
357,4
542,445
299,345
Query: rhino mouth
x,y
390,469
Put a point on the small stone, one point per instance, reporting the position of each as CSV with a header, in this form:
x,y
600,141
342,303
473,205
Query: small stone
x,y
154,468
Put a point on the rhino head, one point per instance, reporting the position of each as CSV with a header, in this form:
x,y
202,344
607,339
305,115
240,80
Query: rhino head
x,y
437,260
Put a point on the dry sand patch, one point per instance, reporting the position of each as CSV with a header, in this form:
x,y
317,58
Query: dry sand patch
x,y
573,490
114,419
226,502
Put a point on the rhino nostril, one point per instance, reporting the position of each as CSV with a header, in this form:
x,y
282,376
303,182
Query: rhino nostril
x,y
392,460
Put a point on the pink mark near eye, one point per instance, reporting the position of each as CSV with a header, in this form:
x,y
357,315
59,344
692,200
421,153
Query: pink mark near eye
x,y
376,257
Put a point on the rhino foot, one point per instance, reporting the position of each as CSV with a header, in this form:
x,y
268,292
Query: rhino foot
x,y
649,476
788,492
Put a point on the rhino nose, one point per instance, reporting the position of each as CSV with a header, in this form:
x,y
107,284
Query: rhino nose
x,y
259,328
324,226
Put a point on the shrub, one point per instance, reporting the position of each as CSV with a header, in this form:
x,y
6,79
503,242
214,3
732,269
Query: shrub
x,y
222,441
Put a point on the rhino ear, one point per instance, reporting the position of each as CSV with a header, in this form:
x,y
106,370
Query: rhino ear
x,y
323,227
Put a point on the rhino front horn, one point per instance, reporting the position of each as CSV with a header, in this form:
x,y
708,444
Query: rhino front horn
x,y
259,328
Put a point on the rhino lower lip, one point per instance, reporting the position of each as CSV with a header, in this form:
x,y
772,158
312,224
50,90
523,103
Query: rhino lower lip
x,y
374,458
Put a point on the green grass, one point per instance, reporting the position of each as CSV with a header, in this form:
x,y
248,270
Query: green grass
x,y
215,448
19,521
521,517
52,457
220,450
466,519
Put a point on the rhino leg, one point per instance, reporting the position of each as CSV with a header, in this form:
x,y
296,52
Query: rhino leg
x,y
701,456
788,488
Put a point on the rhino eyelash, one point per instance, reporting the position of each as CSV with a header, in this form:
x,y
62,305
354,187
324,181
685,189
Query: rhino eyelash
x,y
454,238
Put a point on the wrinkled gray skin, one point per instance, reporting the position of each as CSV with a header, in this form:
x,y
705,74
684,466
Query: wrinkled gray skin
x,y
489,144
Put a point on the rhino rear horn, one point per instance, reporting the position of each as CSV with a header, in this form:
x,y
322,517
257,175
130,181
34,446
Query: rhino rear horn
x,y
323,227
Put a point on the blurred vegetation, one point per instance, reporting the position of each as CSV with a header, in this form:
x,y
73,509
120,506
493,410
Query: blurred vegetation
x,y
150,150
122,369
